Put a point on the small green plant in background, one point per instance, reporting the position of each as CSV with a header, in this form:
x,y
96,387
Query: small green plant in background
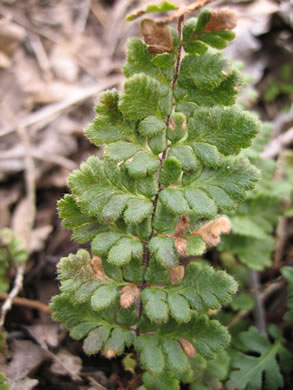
x,y
282,86
256,361
173,168
254,220
12,253
287,272
4,385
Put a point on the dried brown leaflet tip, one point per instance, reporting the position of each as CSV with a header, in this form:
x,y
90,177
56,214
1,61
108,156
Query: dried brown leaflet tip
x,y
180,242
176,274
182,225
180,245
98,267
221,19
211,232
188,348
129,294
110,353
213,312
158,37
172,124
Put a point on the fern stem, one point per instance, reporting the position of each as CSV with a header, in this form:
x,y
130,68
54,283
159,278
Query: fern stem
x,y
177,67
164,155
147,255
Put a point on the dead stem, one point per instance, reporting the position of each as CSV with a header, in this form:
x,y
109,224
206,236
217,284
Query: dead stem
x,y
279,143
259,312
30,303
184,11
269,290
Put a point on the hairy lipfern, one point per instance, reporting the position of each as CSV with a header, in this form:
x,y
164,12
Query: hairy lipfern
x,y
169,174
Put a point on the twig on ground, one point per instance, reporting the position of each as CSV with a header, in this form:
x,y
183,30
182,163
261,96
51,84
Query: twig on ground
x,y
30,184
41,56
283,121
30,303
51,37
55,159
81,22
99,12
116,27
278,144
12,154
281,237
13,293
59,361
269,290
48,113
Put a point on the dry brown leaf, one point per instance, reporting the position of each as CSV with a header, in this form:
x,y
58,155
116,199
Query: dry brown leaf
x,y
26,358
45,334
7,198
211,232
182,225
188,348
158,37
64,64
129,294
24,384
5,61
98,267
11,35
21,221
70,363
176,274
221,19
39,237
46,93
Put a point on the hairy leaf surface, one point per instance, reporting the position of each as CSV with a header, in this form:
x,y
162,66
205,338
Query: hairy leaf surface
x,y
228,129
144,96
